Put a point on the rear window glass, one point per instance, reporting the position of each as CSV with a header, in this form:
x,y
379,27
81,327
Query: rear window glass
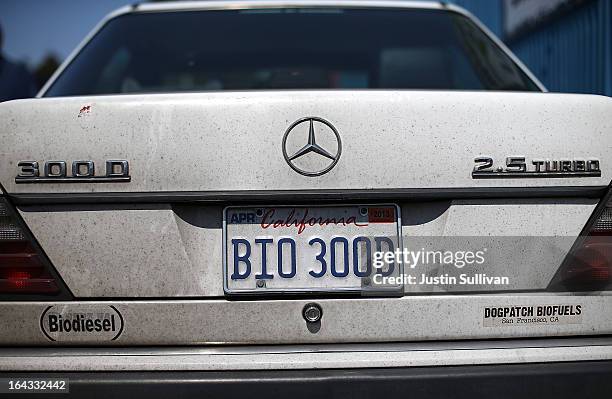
x,y
289,48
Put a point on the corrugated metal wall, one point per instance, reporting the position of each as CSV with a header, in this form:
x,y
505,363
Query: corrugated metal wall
x,y
571,53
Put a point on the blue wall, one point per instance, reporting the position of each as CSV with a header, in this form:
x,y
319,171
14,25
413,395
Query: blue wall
x,y
570,53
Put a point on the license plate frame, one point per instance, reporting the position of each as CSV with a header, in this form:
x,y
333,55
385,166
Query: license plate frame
x,y
297,291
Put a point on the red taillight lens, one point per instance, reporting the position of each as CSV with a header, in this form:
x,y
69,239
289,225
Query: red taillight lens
x,y
22,267
588,267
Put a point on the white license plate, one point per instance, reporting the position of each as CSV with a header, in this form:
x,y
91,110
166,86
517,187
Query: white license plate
x,y
285,249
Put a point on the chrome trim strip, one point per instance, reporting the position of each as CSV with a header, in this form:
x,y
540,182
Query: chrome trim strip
x,y
304,196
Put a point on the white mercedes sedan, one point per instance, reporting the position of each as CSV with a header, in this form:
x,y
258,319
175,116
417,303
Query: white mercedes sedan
x,y
304,199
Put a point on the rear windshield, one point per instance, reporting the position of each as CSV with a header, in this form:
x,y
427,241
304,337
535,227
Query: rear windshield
x,y
289,48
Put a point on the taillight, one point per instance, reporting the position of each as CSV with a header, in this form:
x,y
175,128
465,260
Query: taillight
x,y
23,268
588,267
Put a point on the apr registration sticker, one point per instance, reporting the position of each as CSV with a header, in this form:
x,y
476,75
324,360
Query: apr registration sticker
x,y
497,316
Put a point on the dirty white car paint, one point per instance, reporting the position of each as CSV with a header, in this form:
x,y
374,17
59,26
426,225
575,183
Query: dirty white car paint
x,y
153,247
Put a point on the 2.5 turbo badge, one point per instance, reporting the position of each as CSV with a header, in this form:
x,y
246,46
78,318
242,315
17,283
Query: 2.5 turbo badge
x,y
518,167
117,171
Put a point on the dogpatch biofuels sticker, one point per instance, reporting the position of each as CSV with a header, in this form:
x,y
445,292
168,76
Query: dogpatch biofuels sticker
x,y
495,316
75,323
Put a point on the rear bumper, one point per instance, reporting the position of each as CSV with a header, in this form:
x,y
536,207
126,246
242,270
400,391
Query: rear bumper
x,y
194,322
578,367
541,380
307,357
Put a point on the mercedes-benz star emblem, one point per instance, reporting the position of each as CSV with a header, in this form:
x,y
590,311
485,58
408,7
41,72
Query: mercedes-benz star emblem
x,y
322,150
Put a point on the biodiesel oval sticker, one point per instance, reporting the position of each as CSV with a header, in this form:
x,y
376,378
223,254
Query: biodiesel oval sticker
x,y
78,323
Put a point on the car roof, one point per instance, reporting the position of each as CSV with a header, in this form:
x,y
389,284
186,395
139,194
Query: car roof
x,y
246,4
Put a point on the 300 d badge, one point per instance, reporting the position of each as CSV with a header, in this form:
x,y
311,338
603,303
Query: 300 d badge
x,y
117,171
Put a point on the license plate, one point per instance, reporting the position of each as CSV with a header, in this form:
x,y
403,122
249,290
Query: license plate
x,y
285,249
